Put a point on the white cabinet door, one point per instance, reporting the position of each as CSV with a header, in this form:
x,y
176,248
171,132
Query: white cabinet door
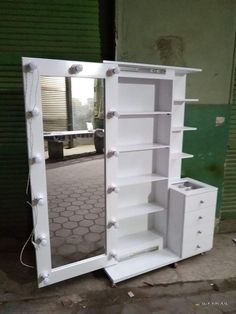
x,y
73,212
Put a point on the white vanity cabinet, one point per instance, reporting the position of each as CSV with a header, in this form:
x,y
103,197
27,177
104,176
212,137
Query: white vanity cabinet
x,y
191,217
151,217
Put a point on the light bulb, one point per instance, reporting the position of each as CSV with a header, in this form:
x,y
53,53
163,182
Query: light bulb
x,y
42,240
113,254
75,68
38,200
44,277
114,223
112,152
30,67
32,113
36,159
112,113
113,71
113,188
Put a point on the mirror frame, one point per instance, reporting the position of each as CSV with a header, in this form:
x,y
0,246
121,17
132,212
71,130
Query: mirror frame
x,y
33,68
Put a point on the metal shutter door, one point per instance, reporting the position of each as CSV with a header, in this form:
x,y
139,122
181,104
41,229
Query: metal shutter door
x,y
58,29
228,210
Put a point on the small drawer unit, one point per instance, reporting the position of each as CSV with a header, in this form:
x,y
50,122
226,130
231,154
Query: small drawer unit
x,y
191,217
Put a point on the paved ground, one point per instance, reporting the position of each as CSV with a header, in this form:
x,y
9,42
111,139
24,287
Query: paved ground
x,y
180,298
76,209
201,284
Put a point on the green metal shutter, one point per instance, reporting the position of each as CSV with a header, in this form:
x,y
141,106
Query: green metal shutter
x,y
58,29
228,210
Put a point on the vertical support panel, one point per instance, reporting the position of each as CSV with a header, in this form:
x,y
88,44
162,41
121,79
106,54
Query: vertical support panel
x,y
111,93
37,171
177,120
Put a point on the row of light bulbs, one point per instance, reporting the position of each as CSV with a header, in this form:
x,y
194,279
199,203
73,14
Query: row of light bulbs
x,y
74,69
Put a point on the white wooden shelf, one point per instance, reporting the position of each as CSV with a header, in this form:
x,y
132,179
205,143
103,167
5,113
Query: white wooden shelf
x,y
180,155
142,114
140,264
177,101
183,128
136,243
140,147
124,181
138,210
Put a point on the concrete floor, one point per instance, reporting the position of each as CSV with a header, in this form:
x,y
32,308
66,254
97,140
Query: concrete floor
x,y
201,284
80,149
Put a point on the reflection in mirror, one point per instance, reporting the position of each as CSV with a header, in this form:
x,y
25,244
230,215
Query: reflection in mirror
x,y
73,119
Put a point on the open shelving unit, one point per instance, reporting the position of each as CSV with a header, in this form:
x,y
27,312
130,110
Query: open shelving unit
x,y
149,135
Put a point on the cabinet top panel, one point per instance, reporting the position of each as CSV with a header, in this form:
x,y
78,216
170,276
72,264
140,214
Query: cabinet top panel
x,y
142,66
188,186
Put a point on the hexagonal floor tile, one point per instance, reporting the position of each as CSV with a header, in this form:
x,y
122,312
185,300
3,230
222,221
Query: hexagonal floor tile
x,y
86,223
67,249
54,226
74,239
76,218
91,216
63,233
92,237
70,225
97,229
81,230
60,220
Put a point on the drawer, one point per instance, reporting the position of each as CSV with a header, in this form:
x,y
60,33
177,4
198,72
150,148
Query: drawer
x,y
196,245
201,216
202,200
198,232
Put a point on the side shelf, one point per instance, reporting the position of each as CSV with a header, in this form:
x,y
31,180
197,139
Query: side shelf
x,y
140,147
181,101
152,177
180,156
142,114
138,210
183,128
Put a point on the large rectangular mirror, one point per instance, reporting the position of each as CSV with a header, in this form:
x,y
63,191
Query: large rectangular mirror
x,y
73,130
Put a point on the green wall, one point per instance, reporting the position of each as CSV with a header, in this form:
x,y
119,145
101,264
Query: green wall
x,y
57,29
194,33
208,145
197,33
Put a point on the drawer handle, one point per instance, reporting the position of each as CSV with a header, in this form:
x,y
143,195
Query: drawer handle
x,y
198,247
200,217
202,202
199,232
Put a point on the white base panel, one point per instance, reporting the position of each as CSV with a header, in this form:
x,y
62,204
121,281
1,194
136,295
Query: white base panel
x,y
140,264
137,243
